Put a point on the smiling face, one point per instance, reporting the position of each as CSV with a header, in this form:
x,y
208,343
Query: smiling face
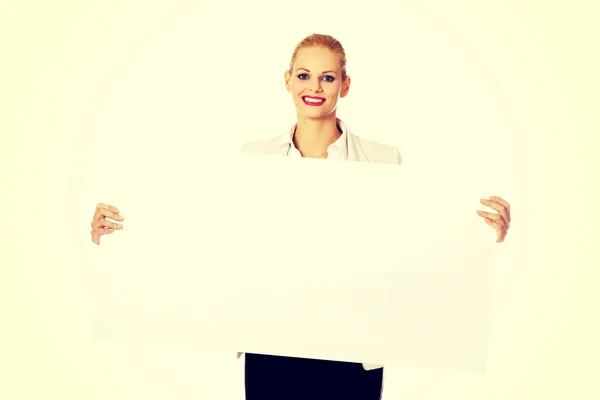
x,y
316,82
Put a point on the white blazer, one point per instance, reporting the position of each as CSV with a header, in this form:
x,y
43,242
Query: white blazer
x,y
359,149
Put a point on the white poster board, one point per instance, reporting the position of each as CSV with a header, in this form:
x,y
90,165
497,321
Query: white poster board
x,y
308,258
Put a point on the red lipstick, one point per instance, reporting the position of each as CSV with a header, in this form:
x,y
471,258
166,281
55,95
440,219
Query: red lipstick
x,y
313,101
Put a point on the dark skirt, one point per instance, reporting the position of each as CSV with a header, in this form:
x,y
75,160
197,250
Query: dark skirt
x,y
288,378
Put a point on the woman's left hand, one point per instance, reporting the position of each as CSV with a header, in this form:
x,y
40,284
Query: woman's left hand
x,y
500,220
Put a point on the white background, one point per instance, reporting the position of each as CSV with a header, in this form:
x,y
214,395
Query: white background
x,y
508,91
178,93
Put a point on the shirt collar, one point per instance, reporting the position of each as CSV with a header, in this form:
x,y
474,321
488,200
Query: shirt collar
x,y
340,145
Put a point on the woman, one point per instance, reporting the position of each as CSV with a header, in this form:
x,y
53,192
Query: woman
x,y
316,79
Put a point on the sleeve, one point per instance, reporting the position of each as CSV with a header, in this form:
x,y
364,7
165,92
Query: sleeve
x,y
369,367
397,156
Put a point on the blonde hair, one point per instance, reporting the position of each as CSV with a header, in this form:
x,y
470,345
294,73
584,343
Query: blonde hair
x,y
318,40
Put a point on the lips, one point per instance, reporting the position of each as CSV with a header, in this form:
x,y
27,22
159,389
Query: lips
x,y
313,101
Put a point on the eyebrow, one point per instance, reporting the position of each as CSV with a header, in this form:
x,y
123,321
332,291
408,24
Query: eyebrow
x,y
324,72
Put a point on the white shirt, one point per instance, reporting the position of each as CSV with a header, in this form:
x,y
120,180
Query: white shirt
x,y
338,150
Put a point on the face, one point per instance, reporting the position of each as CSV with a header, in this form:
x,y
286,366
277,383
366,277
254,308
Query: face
x,y
316,82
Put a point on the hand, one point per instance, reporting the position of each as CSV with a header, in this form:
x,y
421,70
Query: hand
x,y
101,225
500,221
239,354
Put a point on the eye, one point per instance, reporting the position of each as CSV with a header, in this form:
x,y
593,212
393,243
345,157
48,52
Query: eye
x,y
303,77
328,78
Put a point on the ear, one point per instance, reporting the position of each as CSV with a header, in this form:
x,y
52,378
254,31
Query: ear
x,y
345,87
288,78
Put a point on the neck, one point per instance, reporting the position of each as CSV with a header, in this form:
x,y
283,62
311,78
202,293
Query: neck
x,y
314,136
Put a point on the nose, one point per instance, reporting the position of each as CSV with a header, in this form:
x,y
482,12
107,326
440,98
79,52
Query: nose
x,y
316,87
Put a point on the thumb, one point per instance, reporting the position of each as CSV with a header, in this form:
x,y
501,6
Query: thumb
x,y
96,238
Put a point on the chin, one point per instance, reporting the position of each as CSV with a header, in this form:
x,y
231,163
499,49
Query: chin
x,y
314,113
316,116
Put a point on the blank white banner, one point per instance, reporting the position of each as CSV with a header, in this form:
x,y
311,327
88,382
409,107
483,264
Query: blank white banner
x,y
348,261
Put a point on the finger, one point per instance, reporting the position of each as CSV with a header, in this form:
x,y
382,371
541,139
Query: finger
x,y
502,236
97,214
102,225
498,228
506,205
108,207
492,223
500,208
492,216
109,224
506,215
95,238
101,230
501,201
108,210
109,214
496,202
492,204
239,354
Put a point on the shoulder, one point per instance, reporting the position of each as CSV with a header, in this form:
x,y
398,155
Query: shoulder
x,y
378,152
265,146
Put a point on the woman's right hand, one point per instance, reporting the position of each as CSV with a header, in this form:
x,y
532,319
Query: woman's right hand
x,y
101,225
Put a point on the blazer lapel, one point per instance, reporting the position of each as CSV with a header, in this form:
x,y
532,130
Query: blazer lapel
x,y
355,150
